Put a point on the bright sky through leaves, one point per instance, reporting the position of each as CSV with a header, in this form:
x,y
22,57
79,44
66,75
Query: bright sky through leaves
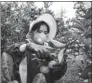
x,y
57,6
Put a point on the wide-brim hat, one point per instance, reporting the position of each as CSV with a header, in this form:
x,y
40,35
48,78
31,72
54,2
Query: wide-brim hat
x,y
49,20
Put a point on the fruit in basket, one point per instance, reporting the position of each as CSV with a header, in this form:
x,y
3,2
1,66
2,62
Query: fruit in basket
x,y
44,69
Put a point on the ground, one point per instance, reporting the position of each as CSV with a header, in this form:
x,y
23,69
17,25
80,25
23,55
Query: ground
x,y
71,75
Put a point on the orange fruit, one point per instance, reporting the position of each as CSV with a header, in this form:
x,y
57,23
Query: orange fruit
x,y
51,63
44,69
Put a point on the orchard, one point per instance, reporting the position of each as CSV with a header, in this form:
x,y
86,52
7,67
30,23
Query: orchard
x,y
15,20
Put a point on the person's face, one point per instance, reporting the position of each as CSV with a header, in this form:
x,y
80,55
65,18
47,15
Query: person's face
x,y
41,35
43,29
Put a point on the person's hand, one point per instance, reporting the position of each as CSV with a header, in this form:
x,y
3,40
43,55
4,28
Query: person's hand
x,y
41,51
53,64
57,66
60,59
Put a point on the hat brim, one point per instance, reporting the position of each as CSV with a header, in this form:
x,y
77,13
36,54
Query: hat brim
x,y
49,19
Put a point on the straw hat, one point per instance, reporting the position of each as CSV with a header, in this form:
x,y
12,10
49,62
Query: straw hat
x,y
47,18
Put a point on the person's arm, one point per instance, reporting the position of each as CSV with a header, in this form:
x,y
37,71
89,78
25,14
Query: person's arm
x,y
56,44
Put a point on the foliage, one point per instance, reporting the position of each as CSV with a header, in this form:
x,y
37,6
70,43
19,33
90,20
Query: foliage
x,y
17,16
80,28
84,24
79,53
83,9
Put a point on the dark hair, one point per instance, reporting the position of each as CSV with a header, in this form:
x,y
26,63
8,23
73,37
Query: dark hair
x,y
37,26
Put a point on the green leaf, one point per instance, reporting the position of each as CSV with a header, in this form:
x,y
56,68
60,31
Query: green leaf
x,y
87,41
78,25
88,32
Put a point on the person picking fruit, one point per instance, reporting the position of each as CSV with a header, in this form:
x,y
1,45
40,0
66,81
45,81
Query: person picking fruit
x,y
32,60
